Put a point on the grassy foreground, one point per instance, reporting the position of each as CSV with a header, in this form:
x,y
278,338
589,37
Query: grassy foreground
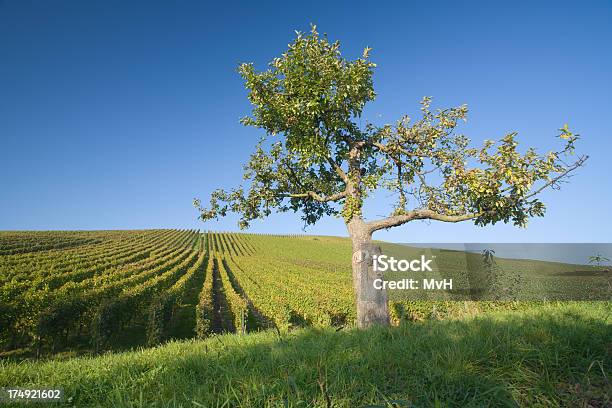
x,y
554,355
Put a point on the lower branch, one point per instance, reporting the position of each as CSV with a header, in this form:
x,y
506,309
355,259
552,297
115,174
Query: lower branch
x,y
397,220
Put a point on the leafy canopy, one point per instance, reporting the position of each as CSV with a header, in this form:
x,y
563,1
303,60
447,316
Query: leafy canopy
x,y
315,159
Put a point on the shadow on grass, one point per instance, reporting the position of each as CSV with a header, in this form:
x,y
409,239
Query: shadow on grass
x,y
556,358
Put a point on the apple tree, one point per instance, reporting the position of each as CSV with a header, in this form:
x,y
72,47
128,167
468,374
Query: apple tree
x,y
316,160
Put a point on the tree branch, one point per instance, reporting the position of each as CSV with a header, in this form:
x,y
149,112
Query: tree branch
x,y
389,150
423,214
564,173
318,197
338,169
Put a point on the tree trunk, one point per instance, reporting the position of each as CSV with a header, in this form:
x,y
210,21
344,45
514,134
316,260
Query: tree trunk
x,y
371,303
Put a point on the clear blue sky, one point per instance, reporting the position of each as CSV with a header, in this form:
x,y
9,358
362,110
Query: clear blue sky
x,y
115,114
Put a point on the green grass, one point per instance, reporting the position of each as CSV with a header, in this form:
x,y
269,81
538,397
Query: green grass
x,y
558,354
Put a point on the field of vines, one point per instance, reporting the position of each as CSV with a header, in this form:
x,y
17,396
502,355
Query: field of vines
x,y
67,293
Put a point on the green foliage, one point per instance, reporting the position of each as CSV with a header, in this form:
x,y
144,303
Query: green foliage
x,y
132,304
159,314
318,160
311,94
58,299
238,306
352,208
162,308
205,307
598,259
275,281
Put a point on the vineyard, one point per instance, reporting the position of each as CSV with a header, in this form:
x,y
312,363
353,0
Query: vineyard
x,y
105,290
84,292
